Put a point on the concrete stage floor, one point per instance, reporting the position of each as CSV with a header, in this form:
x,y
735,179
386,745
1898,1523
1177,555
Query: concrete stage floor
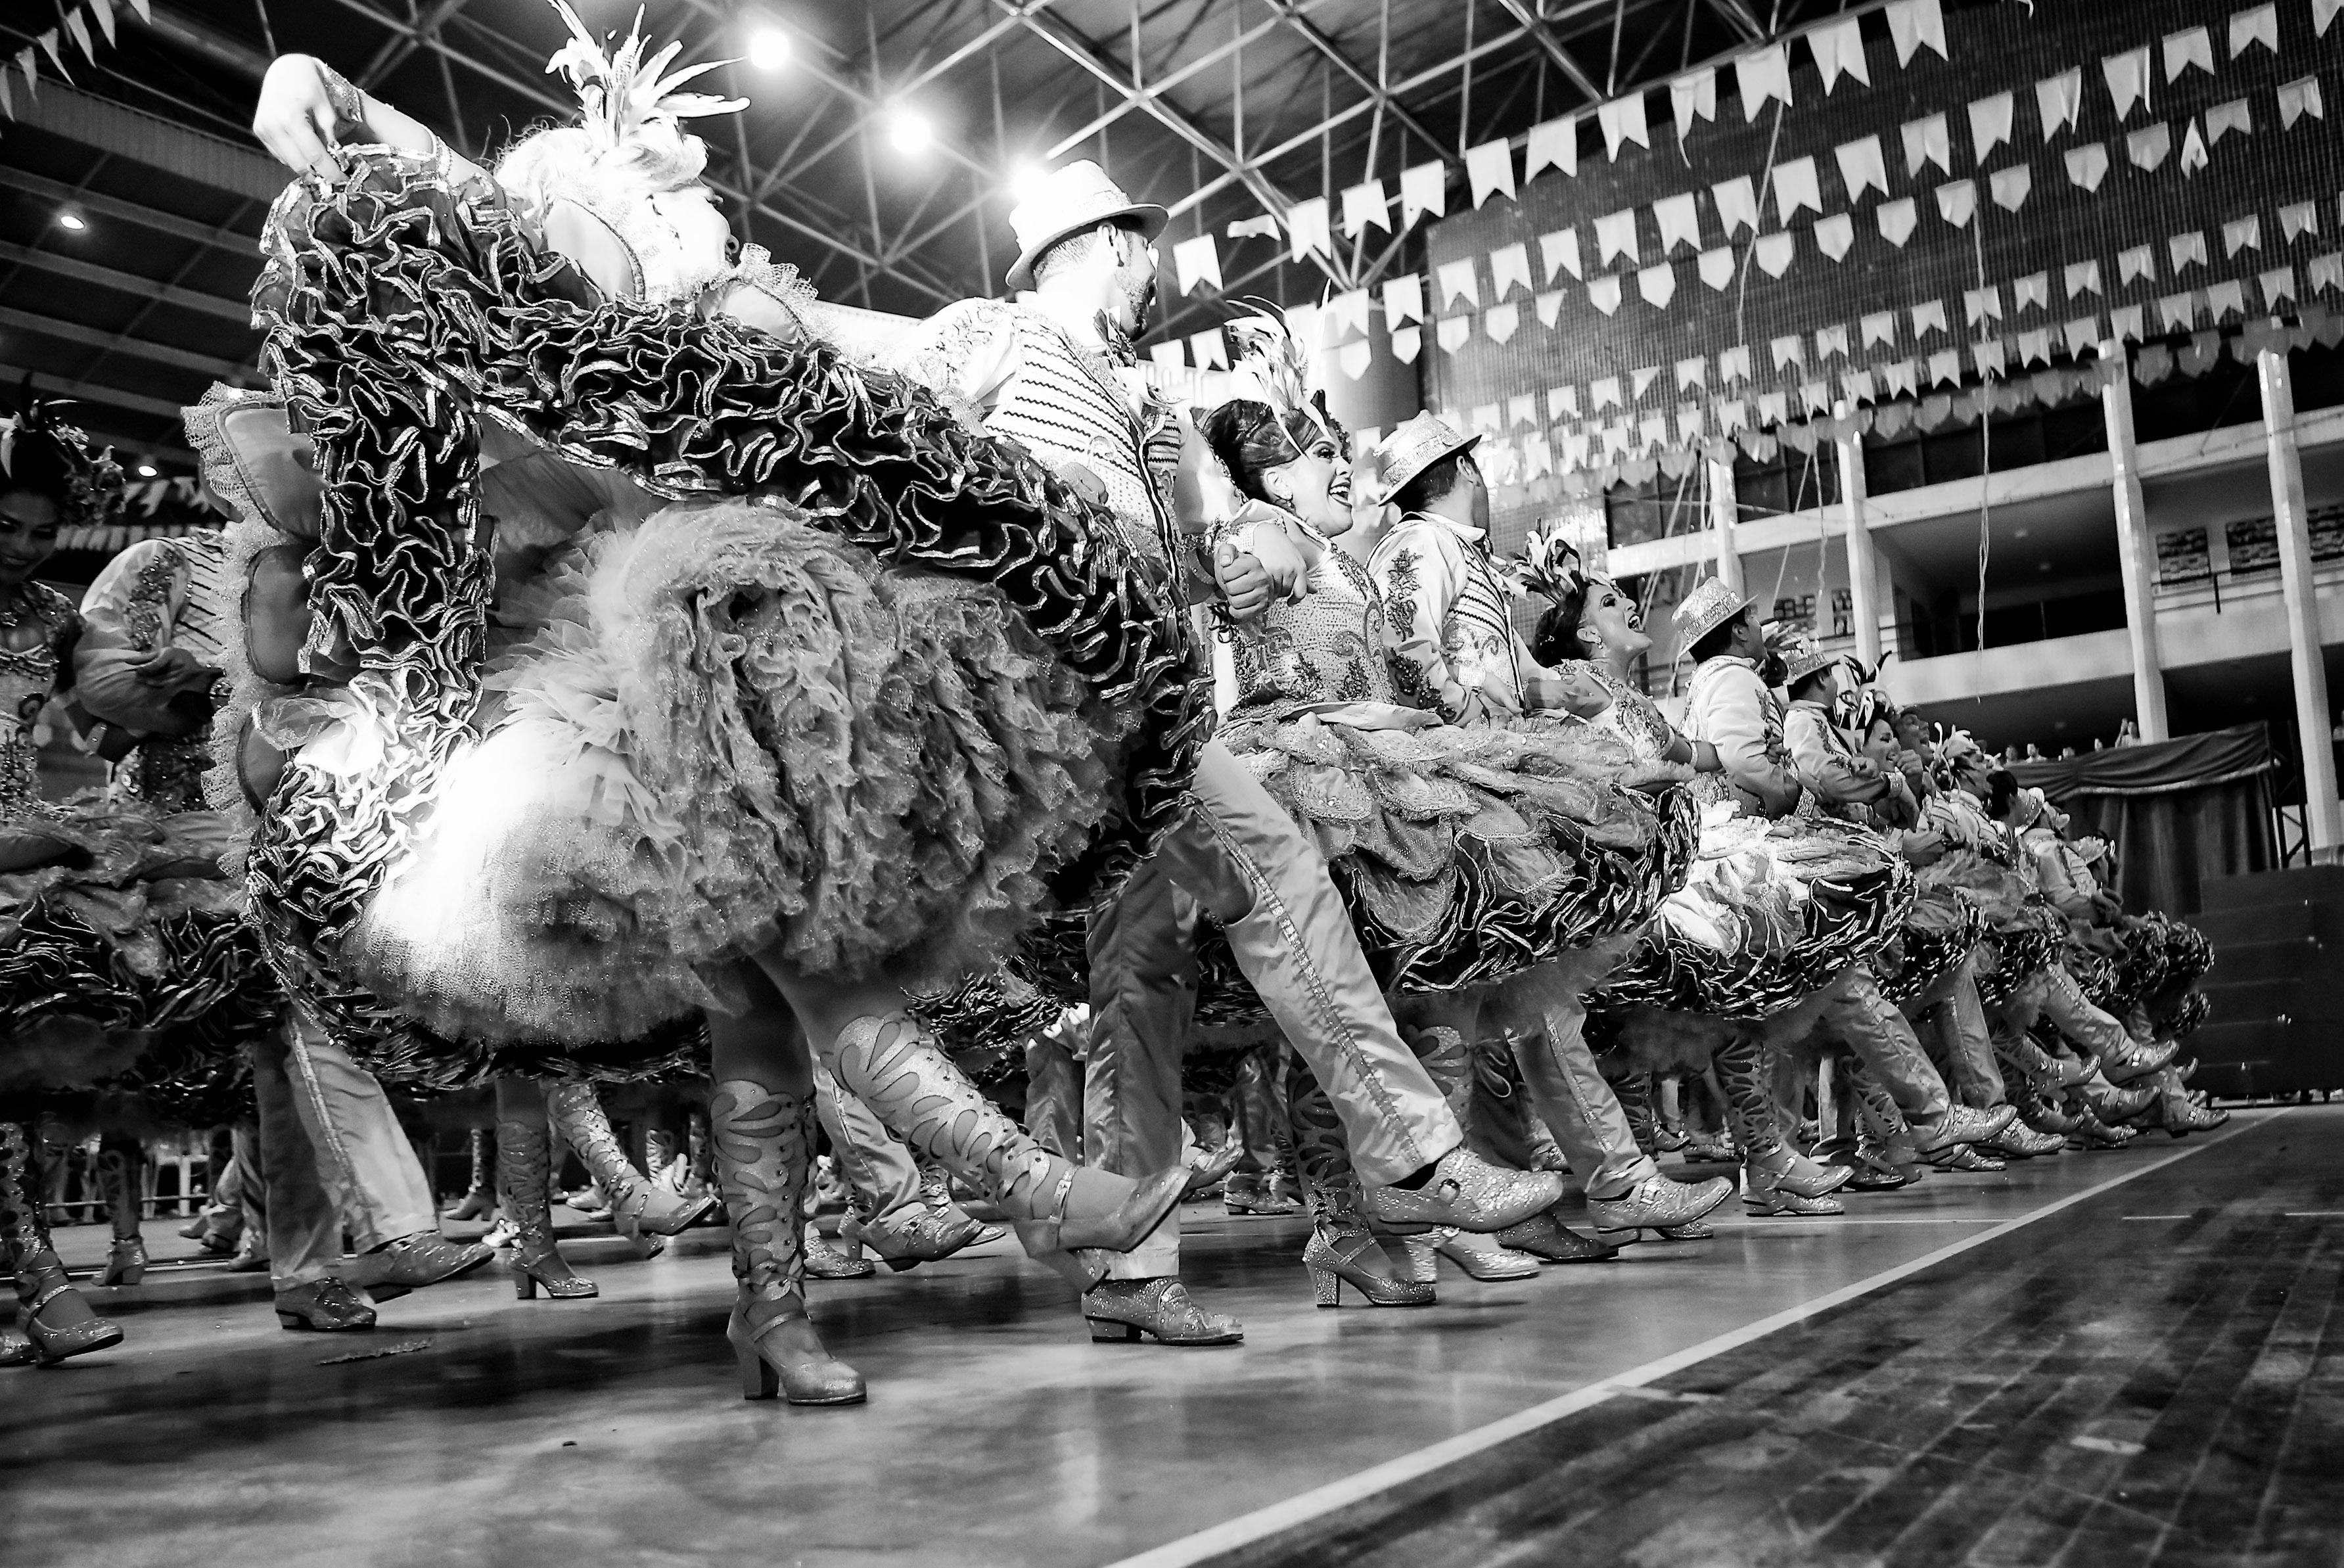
x,y
611,1431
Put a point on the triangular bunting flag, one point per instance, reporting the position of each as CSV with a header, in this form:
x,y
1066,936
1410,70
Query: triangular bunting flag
x,y
1407,342
1623,121
1990,122
103,11
1693,96
1452,332
1604,294
1549,305
2193,151
1838,47
1489,170
1795,186
1773,253
2010,187
1365,207
1717,267
1957,201
1862,167
1913,23
1680,221
1510,266
1404,299
1553,144
2127,79
1737,205
1423,188
2088,165
2060,100
1641,381
1352,359
1834,234
1501,321
2188,47
1658,285
1760,74
1897,220
1928,141
78,31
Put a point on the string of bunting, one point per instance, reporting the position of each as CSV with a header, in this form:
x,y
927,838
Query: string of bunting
x,y
84,26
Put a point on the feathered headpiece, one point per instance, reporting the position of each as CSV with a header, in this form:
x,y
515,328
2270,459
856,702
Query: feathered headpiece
x,y
1957,748
1865,703
622,93
1551,564
91,481
1271,367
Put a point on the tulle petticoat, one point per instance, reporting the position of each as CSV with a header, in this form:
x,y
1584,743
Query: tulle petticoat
x,y
725,732
1467,853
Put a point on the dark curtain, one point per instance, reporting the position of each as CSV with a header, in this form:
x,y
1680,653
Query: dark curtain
x,y
2177,812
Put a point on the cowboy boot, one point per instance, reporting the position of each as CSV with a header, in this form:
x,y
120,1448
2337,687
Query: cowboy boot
x,y
53,1313
1776,1177
638,1207
763,1142
1342,1249
524,1172
480,1198
119,1174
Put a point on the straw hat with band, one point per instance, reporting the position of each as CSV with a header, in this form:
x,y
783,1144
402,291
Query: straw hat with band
x,y
1802,655
1070,201
1419,441
1707,608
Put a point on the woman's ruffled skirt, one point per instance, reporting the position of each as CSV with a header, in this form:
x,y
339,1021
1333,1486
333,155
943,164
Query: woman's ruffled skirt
x,y
2023,933
722,733
1944,929
132,966
2146,962
1771,912
1466,854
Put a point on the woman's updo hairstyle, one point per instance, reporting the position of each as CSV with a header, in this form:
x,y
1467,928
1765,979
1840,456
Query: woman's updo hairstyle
x,y
616,184
1557,637
1251,438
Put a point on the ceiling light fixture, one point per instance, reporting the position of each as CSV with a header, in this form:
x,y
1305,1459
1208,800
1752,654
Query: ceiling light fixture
x,y
769,48
908,131
72,221
147,470
1026,179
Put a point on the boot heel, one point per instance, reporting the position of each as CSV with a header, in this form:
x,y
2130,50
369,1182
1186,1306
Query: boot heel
x,y
1325,1287
1107,1331
525,1287
290,1320
759,1380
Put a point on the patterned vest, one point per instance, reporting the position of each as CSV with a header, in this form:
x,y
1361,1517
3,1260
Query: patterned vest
x,y
1065,407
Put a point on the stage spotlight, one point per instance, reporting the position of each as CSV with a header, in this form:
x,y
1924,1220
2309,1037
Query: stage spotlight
x,y
1026,179
908,131
769,48
73,222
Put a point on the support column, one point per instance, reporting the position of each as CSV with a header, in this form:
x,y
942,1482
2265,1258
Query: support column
x,y
2136,549
1863,566
1723,512
2311,720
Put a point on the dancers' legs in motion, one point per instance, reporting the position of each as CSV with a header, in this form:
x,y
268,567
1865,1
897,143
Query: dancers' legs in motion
x,y
53,1315
121,1177
639,1209
524,1183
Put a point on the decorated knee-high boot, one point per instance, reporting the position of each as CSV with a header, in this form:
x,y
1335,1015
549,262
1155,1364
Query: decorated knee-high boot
x,y
1342,1249
1777,1180
763,1142
638,1207
480,1199
1448,1063
121,1178
524,1173
52,1313
1059,1209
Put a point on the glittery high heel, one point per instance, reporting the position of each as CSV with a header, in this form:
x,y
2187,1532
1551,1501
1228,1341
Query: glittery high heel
x,y
524,1171
763,1142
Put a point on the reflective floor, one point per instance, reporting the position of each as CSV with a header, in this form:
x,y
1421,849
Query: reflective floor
x,y
612,1431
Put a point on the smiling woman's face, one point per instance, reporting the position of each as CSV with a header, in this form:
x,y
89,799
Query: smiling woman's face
x,y
28,534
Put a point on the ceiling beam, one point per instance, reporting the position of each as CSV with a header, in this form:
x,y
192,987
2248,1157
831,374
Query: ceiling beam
x,y
1740,19
1291,10
218,236
1524,12
89,392
395,50
1138,98
80,271
138,347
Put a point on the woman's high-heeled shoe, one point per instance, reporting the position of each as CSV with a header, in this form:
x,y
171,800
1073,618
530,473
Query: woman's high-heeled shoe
x,y
480,1199
524,1171
764,1147
117,1180
1336,1259
1482,1258
126,1261
56,1319
639,1206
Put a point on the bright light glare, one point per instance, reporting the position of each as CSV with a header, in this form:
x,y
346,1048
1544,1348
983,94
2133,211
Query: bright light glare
x,y
1026,180
72,221
908,131
147,470
768,49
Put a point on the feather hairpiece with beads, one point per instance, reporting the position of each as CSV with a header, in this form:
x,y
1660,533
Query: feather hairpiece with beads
x,y
93,480
1551,564
1273,367
619,92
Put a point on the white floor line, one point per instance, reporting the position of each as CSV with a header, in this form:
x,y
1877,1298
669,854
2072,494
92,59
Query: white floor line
x,y
1280,1517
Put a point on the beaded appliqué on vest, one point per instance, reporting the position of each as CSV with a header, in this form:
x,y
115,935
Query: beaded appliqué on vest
x,y
1326,649
165,773
1635,717
1065,406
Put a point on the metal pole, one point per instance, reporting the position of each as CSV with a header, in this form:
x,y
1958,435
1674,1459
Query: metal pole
x,y
1723,512
2135,549
1863,564
2311,710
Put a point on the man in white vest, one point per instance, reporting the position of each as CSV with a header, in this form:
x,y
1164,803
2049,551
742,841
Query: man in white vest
x,y
1054,371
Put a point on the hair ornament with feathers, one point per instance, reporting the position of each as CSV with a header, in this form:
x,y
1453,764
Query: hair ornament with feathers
x,y
92,481
1273,367
622,93
1551,564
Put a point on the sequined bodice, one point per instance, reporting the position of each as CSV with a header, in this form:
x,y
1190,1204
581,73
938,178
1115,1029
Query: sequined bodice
x,y
27,677
1326,649
1635,717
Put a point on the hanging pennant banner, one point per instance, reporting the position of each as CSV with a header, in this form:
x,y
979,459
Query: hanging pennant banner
x,y
1352,359
1773,253
1946,368
1365,207
2034,290
1501,321
2300,98
1604,294
2242,234
1788,353
1831,343
2194,156
1838,47
1457,282
103,11
2278,283
1861,166
2088,165
2128,78
1897,220
1452,332
1990,122
1169,358
2060,100
1510,264
2225,299
2126,323
1549,305
1206,349
2010,187
1717,267
2178,310
1553,144
2080,334
1347,311
1407,342
1981,304
1913,23
1603,393
1306,230
1990,357
1879,329
1928,317
1680,221
1957,201
2255,25
1559,251
2082,278
2326,271
1834,235
1615,234
1262,228
1658,285
1900,375
1734,365
2135,264
1423,188
1196,261
1641,381
1760,74
1928,141
1796,187
2035,346
79,30
2150,147
1692,373
1623,121
1737,205
1489,170
2296,219
1404,299
2223,118
1693,97
2191,46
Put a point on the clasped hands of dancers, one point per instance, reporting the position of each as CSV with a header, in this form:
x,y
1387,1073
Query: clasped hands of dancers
x,y
624,666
